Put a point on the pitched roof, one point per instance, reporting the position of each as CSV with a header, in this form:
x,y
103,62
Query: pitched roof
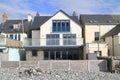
x,y
100,19
39,20
7,27
112,32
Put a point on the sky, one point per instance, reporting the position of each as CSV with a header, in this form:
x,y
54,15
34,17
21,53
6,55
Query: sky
x,y
18,9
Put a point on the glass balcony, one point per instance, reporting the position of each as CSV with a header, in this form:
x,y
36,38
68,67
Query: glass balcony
x,y
52,42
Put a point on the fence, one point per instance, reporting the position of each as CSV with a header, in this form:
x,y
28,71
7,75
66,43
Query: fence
x,y
74,65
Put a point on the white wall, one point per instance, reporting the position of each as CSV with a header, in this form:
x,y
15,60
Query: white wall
x,y
36,34
92,47
46,28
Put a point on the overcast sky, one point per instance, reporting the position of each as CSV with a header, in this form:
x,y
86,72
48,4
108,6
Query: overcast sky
x,y
17,9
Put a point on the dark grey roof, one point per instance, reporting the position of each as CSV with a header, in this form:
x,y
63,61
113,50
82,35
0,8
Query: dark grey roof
x,y
7,26
100,19
112,32
39,20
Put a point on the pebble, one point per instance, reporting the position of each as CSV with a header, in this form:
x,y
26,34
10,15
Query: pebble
x,y
13,74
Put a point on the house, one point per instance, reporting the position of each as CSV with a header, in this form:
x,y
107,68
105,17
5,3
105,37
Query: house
x,y
13,33
56,37
10,49
94,27
113,40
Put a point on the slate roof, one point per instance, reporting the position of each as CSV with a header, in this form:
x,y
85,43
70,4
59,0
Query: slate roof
x,y
112,32
7,27
39,20
100,19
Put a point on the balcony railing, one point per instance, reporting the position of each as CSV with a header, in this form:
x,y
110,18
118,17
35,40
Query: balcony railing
x,y
7,42
52,42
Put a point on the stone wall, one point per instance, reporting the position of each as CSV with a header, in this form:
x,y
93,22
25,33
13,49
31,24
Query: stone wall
x,y
29,56
73,65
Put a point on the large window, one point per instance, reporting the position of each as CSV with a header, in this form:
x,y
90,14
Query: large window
x,y
69,54
69,39
61,26
97,36
52,39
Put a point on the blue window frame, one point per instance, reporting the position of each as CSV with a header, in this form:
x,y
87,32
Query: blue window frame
x,y
61,26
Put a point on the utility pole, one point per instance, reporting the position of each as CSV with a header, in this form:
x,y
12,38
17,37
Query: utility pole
x,y
22,26
99,41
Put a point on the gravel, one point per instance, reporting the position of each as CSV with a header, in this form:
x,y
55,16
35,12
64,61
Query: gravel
x,y
13,74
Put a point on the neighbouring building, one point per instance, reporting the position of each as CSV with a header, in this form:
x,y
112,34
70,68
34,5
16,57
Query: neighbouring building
x,y
113,40
10,49
13,33
94,27
56,37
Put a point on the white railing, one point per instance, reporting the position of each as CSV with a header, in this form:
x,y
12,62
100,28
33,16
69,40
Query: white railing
x,y
53,42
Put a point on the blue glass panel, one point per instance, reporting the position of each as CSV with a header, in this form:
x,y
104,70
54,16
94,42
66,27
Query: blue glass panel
x,y
54,29
59,28
63,26
67,28
54,23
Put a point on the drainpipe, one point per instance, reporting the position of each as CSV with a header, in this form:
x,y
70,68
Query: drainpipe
x,y
113,45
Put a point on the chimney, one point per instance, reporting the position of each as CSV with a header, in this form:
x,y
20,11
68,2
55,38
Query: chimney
x,y
4,17
29,17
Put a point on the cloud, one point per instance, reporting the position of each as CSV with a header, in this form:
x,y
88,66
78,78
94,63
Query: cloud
x,y
87,6
20,8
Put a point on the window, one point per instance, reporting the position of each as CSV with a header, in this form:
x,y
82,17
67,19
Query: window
x,y
15,36
19,37
16,26
97,34
11,36
34,53
69,39
1,50
52,39
61,26
99,53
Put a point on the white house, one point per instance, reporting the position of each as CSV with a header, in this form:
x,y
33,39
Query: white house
x,y
55,37
13,32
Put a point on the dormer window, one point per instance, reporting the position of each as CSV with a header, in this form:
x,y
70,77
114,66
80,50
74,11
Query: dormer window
x,y
16,26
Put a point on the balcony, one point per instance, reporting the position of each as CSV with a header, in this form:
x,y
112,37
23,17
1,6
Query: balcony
x,y
7,42
52,42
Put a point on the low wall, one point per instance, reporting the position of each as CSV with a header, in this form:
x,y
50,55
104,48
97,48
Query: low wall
x,y
74,65
4,56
